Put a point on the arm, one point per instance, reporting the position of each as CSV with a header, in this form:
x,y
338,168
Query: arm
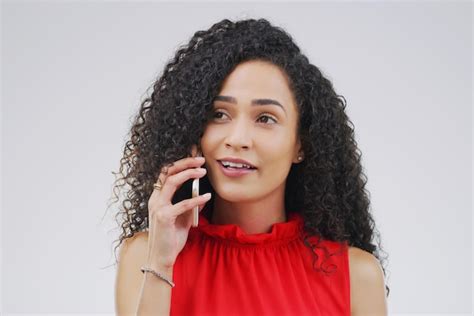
x,y
367,284
138,293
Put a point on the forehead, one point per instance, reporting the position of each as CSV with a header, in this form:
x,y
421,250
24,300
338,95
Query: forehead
x,y
258,79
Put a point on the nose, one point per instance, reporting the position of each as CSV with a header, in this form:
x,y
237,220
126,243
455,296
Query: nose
x,y
239,135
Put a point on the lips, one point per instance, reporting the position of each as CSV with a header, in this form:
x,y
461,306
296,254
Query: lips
x,y
235,172
243,168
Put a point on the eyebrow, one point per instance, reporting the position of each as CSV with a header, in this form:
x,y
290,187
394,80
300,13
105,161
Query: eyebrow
x,y
233,100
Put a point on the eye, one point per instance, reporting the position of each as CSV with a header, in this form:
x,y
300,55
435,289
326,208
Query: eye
x,y
268,117
217,112
262,116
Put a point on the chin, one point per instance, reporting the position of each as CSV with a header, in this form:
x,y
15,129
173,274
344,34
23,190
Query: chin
x,y
231,194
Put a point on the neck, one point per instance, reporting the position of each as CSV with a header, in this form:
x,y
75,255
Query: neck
x,y
253,217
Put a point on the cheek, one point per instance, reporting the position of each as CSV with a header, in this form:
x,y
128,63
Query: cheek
x,y
275,147
208,139
277,157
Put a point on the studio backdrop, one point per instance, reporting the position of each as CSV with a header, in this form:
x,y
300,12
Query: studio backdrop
x,y
75,73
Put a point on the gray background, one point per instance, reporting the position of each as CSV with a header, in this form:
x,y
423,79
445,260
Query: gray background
x,y
73,74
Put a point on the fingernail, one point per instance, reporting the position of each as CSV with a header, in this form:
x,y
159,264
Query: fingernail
x,y
207,195
199,158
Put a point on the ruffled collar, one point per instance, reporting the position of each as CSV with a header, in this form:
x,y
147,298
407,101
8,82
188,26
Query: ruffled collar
x,y
279,233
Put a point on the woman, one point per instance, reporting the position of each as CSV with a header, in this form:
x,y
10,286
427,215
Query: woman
x,y
286,229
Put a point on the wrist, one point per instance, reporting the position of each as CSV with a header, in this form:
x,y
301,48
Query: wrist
x,y
161,268
161,273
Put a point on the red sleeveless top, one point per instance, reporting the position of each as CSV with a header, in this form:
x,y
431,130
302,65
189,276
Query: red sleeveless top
x,y
223,271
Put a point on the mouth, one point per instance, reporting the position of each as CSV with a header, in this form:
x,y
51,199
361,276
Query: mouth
x,y
232,172
236,168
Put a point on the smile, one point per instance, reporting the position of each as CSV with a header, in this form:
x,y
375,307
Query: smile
x,y
235,172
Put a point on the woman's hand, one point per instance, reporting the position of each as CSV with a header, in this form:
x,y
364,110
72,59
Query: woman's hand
x,y
169,224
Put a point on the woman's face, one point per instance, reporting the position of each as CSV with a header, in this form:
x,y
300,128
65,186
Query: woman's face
x,y
259,132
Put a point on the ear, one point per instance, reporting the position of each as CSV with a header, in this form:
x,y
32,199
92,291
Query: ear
x,y
194,150
298,152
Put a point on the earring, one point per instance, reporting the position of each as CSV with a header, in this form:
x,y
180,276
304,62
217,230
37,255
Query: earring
x,y
300,158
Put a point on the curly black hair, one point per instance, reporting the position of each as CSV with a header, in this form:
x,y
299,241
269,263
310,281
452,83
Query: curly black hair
x,y
327,188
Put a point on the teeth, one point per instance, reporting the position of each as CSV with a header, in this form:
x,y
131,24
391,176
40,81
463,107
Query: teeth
x,y
235,165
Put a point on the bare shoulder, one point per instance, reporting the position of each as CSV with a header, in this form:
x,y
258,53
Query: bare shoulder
x,y
128,282
133,250
138,239
367,284
364,263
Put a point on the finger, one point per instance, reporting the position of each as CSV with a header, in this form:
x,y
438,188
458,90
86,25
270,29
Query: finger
x,y
176,181
186,205
156,198
178,166
201,206
189,219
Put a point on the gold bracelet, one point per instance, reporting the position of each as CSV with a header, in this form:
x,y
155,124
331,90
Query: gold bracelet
x,y
145,269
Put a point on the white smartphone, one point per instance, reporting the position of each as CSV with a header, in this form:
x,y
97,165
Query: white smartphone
x,y
195,193
196,208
